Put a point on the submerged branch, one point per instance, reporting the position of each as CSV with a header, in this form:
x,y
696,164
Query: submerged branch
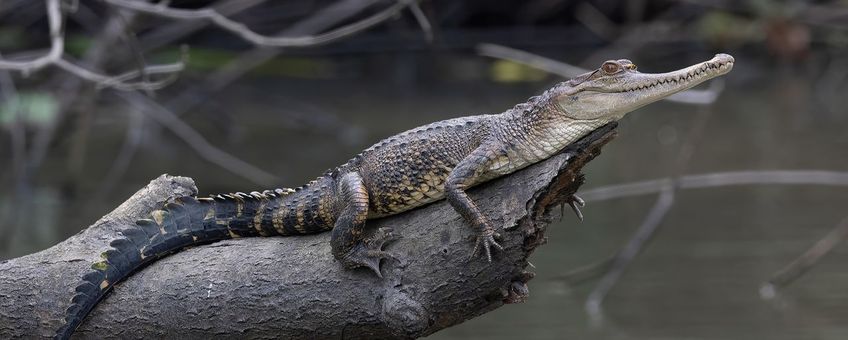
x,y
780,279
805,262
625,256
650,225
719,179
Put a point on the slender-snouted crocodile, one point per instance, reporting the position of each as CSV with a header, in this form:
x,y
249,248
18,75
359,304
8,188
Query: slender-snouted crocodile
x,y
408,170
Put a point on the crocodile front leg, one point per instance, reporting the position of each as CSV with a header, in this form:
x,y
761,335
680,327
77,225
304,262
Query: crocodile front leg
x,y
348,242
467,173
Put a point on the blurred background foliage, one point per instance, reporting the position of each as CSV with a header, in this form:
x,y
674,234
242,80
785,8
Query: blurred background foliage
x,y
237,116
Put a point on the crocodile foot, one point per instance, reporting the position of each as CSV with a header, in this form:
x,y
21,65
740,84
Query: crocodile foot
x,y
487,240
369,252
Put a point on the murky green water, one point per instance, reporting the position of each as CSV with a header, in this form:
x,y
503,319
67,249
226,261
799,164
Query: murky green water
x,y
698,279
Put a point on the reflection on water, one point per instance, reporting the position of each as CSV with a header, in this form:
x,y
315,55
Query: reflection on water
x,y
697,279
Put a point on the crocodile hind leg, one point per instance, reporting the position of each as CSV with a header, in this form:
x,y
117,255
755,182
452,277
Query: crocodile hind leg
x,y
349,244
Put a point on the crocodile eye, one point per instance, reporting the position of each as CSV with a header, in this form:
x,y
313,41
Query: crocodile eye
x,y
611,67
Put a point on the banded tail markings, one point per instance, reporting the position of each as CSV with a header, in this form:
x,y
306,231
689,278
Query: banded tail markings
x,y
289,211
267,221
260,216
300,207
186,221
279,213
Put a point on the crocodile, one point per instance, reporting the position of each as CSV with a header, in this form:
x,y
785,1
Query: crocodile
x,y
432,162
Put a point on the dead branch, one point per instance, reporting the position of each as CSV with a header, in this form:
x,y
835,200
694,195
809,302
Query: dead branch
x,y
247,34
116,26
162,35
55,57
292,287
232,70
72,92
57,44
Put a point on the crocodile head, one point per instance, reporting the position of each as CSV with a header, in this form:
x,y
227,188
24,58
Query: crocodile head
x,y
616,88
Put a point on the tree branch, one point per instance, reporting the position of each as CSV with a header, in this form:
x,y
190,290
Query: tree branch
x,y
55,57
57,43
292,287
247,34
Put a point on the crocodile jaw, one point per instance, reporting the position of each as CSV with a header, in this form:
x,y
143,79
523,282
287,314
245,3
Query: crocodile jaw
x,y
641,89
610,97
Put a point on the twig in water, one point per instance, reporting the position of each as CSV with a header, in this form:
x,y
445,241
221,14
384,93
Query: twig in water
x,y
585,273
630,250
797,268
710,180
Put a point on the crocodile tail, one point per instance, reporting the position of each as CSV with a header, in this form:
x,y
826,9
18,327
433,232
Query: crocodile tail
x,y
189,221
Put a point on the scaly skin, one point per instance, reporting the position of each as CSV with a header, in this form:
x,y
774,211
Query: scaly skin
x,y
408,170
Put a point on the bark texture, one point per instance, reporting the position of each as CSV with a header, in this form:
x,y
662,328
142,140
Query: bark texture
x,y
292,287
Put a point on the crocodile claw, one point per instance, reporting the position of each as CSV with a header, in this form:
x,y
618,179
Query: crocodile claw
x,y
488,239
372,261
576,203
370,251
